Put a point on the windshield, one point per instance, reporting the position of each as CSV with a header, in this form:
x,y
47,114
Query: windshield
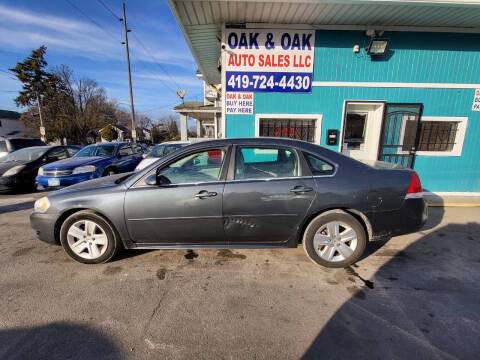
x,y
27,154
97,150
162,150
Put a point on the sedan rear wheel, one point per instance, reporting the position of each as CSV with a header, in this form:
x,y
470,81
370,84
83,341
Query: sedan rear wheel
x,y
334,239
88,238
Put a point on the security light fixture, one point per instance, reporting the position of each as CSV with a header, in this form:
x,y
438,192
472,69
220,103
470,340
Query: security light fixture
x,y
378,46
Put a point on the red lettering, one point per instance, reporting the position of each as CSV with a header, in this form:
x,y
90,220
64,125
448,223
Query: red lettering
x,y
260,60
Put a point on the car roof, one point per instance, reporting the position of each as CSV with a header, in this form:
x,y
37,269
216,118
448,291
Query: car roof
x,y
38,147
173,143
110,143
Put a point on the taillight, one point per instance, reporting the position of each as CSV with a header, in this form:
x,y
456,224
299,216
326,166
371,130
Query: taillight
x,y
415,184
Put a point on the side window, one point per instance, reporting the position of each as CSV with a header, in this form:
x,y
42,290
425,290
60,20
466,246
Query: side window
x,y
72,150
171,148
318,166
202,166
58,154
137,149
125,150
265,162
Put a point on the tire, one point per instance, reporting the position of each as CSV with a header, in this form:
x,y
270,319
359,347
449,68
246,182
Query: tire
x,y
332,250
90,250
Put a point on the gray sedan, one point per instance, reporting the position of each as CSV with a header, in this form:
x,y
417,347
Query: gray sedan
x,y
237,193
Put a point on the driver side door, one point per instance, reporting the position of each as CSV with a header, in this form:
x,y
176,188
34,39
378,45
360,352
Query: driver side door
x,y
185,207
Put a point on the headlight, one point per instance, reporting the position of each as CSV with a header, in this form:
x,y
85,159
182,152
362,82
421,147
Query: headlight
x,y
40,172
14,170
84,169
42,204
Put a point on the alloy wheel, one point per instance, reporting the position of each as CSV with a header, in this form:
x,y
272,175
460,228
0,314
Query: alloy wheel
x,y
335,241
87,239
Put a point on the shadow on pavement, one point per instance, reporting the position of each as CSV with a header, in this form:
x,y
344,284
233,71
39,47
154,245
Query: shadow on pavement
x,y
16,207
58,340
424,303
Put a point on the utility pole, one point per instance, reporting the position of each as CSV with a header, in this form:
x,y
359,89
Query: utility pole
x,y
42,129
132,110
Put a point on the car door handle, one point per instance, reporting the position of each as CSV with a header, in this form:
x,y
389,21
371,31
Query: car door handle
x,y
300,189
204,194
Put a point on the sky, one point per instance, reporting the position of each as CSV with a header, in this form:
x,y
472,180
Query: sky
x,y
84,35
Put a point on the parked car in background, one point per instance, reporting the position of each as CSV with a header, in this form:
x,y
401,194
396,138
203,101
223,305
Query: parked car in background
x,y
159,151
91,162
19,168
11,144
237,193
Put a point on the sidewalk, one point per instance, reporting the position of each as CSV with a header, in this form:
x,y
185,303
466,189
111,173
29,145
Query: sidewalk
x,y
453,199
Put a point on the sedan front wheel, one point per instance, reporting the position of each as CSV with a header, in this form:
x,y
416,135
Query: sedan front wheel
x,y
334,239
88,238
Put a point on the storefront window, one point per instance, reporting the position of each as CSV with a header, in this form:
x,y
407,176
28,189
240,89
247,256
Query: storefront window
x,y
434,135
301,129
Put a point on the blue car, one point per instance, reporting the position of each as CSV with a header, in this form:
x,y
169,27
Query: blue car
x,y
91,162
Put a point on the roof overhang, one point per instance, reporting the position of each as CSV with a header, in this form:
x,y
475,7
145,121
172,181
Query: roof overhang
x,y
197,110
201,21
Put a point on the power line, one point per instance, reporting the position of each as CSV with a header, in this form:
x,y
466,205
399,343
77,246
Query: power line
x,y
148,52
145,49
92,20
110,10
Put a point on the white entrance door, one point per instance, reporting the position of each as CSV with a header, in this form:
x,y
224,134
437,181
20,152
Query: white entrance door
x,y
362,125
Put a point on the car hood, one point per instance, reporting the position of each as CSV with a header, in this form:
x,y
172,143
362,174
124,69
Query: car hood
x,y
99,184
6,165
145,162
74,162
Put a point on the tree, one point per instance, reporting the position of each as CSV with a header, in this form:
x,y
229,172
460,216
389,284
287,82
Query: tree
x,y
35,80
109,133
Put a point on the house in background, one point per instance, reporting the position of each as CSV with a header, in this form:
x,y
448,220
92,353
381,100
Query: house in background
x,y
11,125
124,134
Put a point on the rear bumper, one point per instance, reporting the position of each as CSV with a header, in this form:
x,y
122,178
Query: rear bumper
x,y
408,219
42,181
44,226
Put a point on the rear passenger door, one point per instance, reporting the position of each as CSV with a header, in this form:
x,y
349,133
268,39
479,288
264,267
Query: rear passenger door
x,y
267,196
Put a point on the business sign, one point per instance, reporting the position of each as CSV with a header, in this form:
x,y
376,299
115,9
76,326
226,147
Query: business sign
x,y
476,101
269,60
239,103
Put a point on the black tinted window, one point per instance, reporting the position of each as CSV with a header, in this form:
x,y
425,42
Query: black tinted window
x,y
318,166
23,143
72,150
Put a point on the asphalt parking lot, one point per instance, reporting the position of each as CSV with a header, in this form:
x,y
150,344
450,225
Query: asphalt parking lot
x,y
415,296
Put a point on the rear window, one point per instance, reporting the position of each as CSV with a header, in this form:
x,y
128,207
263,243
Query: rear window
x,y
3,146
23,143
318,166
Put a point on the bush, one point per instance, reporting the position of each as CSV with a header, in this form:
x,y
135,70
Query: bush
x,y
109,133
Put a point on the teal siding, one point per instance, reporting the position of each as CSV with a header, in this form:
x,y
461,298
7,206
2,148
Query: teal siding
x,y
412,57
450,58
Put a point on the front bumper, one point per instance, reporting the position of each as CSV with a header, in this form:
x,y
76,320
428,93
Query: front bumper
x,y
42,182
8,183
44,226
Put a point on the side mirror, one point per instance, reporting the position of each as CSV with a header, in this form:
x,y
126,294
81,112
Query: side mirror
x,y
158,180
151,180
144,155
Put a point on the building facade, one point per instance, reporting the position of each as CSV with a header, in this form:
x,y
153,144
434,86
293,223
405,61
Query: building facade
x,y
402,89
